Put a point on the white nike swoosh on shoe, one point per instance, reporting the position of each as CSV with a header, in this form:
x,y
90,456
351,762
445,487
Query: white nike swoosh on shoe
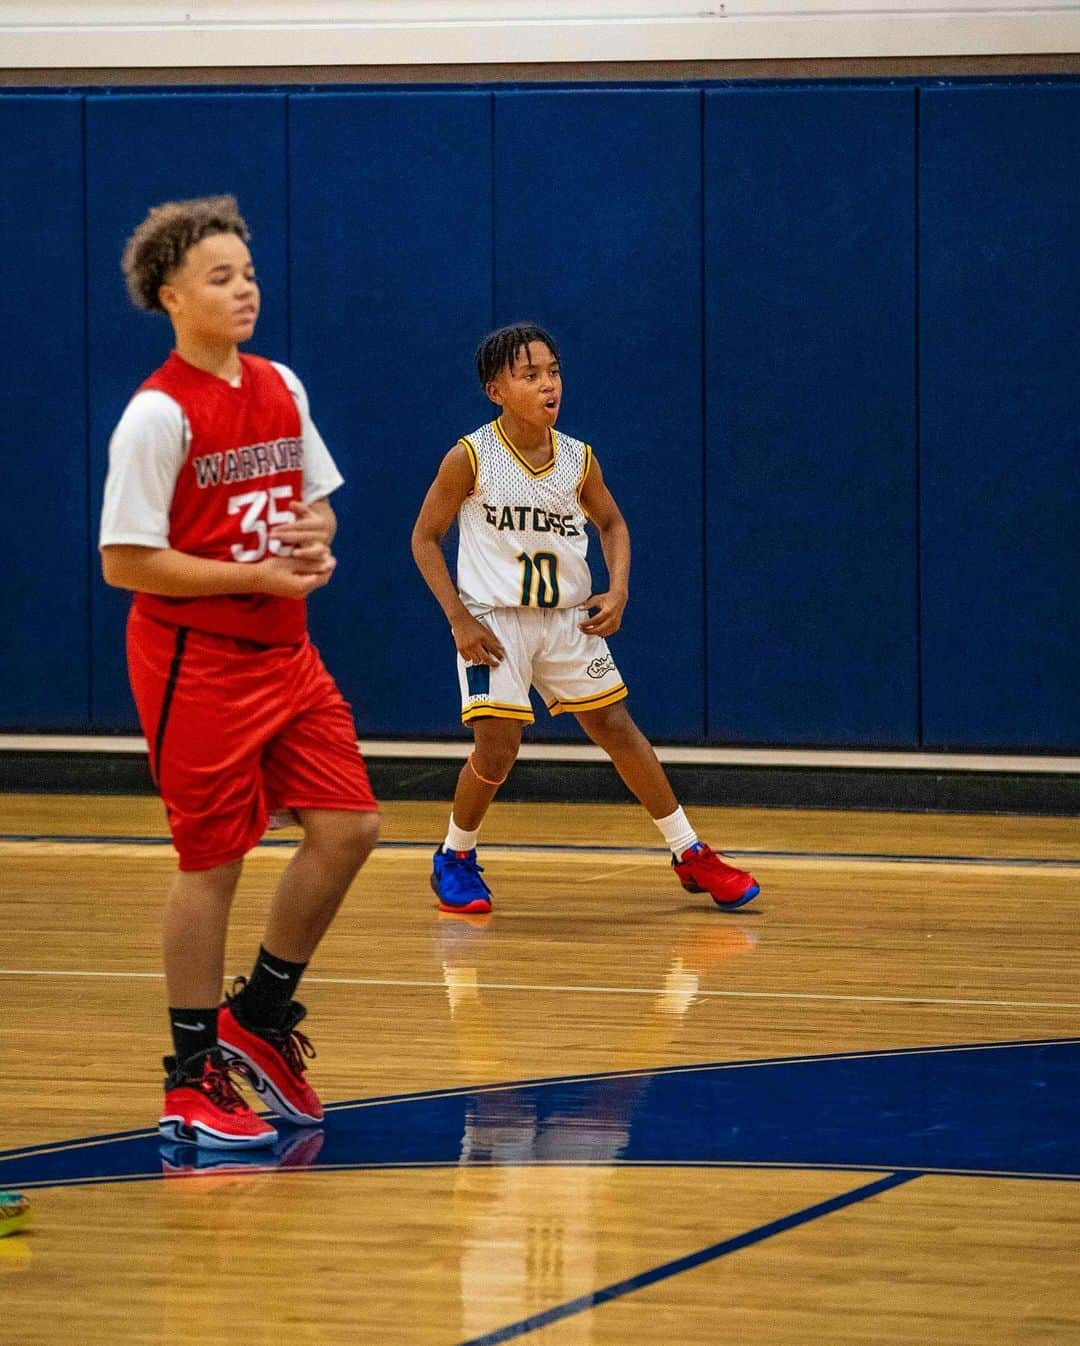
x,y
281,976
192,1028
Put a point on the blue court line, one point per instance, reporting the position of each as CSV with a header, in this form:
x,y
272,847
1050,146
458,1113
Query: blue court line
x,y
590,1076
546,1081
681,1264
874,857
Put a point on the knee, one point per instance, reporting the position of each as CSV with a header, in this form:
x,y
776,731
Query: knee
x,y
207,888
348,836
495,760
361,834
496,749
610,726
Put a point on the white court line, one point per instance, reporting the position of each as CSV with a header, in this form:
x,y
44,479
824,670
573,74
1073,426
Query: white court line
x,y
602,990
611,873
535,854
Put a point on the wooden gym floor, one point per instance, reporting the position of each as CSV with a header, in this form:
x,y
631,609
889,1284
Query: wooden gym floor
x,y
607,1114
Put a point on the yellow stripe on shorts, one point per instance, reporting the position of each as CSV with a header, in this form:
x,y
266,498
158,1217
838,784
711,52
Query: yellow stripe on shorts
x,y
595,702
498,711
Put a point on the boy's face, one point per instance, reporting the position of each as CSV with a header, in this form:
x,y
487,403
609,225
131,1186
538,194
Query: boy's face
x,y
531,388
213,295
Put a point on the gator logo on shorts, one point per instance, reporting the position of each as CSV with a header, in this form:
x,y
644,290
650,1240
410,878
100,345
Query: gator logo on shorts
x,y
600,668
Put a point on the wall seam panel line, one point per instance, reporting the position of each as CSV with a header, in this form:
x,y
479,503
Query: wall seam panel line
x,y
288,233
492,124
88,455
703,333
917,373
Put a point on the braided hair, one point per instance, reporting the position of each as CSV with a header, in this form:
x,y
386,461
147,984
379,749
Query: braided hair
x,y
499,349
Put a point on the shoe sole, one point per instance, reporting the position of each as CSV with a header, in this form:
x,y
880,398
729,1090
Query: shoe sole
x,y
740,901
478,904
264,1086
172,1128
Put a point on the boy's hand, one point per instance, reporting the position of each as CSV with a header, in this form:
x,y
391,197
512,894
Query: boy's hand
x,y
283,577
309,535
311,559
475,643
607,617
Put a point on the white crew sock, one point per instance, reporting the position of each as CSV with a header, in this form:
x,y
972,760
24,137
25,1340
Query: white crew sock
x,y
458,840
677,832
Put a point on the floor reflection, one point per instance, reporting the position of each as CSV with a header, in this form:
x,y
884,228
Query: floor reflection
x,y
532,1233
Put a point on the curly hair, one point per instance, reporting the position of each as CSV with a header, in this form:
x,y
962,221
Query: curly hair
x,y
499,349
158,246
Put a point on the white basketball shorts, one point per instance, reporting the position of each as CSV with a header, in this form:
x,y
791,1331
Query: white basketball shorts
x,y
545,649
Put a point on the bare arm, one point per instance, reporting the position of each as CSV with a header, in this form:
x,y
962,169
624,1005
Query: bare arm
x,y
177,574
453,482
601,508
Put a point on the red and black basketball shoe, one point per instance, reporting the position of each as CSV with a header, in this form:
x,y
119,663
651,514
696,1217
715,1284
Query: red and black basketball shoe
x,y
295,1149
276,1059
203,1107
701,870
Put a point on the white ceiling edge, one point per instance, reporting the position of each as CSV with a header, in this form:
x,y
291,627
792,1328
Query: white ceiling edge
x,y
763,37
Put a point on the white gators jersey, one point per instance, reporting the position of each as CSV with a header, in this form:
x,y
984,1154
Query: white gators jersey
x,y
522,536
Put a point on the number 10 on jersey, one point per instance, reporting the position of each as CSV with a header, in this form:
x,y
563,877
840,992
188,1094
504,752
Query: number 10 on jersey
x,y
539,579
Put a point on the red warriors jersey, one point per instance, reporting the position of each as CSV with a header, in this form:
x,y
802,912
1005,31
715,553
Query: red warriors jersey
x,y
244,465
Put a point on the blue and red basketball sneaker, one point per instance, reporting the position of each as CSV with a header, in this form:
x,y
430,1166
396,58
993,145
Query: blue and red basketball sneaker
x,y
456,881
275,1060
701,870
203,1107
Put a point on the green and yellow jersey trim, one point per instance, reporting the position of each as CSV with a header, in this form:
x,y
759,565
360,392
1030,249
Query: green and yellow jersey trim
x,y
507,444
597,701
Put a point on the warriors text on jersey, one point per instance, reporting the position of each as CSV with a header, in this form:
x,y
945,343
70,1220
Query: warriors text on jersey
x,y
208,468
522,529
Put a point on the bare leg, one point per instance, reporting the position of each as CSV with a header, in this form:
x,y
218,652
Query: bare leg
x,y
612,729
336,843
497,744
196,921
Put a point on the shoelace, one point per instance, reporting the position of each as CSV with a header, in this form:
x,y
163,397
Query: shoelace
x,y
219,1088
471,866
293,1045
466,861
294,1048
707,853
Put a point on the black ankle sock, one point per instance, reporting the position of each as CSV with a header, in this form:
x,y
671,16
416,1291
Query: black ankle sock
x,y
273,982
193,1031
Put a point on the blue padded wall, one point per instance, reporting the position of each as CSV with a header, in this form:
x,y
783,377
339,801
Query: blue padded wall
x,y
822,338
809,381
1000,376
44,681
597,237
142,150
391,289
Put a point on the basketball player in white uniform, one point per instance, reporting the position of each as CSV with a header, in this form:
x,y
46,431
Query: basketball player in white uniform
x,y
523,614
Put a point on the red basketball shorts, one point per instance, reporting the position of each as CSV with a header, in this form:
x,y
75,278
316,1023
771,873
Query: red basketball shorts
x,y
236,730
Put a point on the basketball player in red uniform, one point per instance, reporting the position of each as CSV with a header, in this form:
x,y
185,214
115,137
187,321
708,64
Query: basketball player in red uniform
x,y
216,516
